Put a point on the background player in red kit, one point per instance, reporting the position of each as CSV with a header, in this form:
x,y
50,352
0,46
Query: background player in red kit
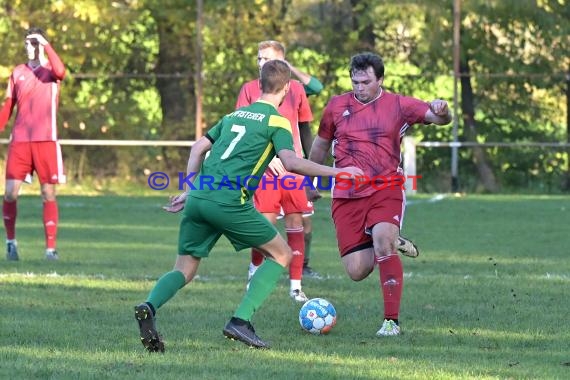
x,y
33,88
365,127
269,199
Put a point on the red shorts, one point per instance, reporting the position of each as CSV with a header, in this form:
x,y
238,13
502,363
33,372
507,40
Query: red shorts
x,y
286,193
355,217
43,157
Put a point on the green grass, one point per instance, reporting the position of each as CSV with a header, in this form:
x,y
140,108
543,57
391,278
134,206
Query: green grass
x,y
486,299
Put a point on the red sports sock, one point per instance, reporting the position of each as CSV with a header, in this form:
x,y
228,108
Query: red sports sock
x,y
296,240
51,217
10,211
256,257
392,283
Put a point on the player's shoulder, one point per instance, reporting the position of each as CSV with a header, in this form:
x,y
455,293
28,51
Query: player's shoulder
x,y
401,100
296,88
343,99
344,96
254,83
20,69
275,120
395,96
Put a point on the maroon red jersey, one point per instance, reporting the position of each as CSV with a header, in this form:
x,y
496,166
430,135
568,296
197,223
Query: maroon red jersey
x,y
368,135
295,106
35,93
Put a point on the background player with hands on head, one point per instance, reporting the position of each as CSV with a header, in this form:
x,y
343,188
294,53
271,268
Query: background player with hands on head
x,y
33,89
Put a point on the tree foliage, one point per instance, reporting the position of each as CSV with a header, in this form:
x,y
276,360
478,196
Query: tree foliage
x,y
131,66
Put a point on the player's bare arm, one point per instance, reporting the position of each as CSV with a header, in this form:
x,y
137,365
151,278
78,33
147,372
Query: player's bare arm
x,y
302,166
319,150
303,77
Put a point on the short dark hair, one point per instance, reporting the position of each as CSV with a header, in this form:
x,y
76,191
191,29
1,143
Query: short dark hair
x,y
35,30
275,74
362,61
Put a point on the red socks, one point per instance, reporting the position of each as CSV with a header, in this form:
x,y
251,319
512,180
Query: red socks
x,y
9,212
296,240
256,257
51,217
392,283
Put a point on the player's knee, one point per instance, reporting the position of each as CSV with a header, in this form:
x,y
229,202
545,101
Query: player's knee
x,y
384,247
48,195
284,255
358,274
358,271
10,196
287,255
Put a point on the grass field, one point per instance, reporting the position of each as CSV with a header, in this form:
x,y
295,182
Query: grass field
x,y
488,298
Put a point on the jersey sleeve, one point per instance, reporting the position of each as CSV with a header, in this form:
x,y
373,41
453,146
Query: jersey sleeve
x,y
8,106
413,110
214,133
326,127
57,67
314,87
281,136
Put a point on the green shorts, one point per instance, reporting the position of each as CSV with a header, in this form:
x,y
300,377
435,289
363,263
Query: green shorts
x,y
204,221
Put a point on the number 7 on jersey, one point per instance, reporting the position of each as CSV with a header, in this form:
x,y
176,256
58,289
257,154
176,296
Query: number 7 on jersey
x,y
240,130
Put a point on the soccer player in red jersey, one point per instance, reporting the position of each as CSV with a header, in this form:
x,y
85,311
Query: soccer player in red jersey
x,y
33,88
365,127
271,197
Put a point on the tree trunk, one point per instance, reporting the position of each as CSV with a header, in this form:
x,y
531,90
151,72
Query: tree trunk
x,y
175,85
486,175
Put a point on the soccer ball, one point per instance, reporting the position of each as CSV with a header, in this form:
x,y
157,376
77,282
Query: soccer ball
x,y
317,316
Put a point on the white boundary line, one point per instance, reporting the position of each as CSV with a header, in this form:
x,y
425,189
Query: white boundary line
x,y
435,198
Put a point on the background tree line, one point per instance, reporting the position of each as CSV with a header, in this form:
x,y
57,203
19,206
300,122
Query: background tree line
x,y
132,74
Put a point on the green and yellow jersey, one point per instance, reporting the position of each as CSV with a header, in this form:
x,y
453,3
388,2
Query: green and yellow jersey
x,y
244,142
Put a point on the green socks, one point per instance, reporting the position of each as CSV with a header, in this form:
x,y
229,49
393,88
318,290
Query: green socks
x,y
260,287
165,288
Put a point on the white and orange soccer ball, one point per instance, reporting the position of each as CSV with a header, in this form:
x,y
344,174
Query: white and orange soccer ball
x,y
317,316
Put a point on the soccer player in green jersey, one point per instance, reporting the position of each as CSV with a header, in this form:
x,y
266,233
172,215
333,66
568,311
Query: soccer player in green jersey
x,y
219,202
